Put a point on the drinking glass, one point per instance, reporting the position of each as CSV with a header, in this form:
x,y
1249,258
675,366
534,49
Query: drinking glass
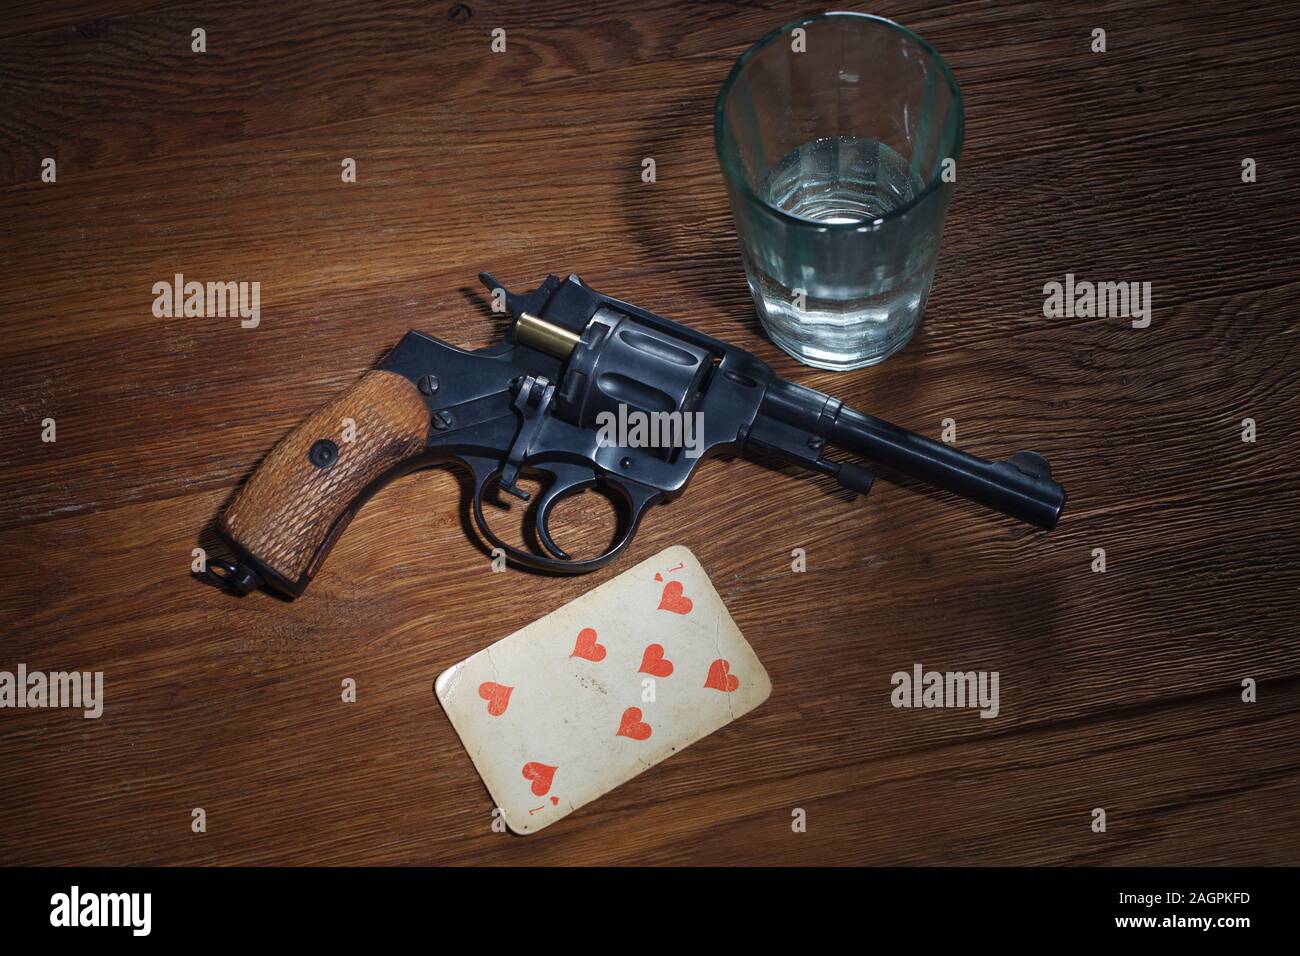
x,y
838,137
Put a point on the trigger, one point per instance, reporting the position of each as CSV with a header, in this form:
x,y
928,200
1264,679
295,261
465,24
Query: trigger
x,y
564,484
544,533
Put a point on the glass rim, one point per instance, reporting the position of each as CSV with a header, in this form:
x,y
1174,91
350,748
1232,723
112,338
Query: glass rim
x,y
735,174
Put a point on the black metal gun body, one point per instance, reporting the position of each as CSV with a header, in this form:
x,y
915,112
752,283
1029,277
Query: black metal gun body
x,y
573,359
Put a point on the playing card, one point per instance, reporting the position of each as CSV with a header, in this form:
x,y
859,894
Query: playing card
x,y
607,686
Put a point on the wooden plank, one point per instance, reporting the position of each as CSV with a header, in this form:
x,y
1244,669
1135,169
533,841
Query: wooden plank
x,y
1119,690
315,65
213,699
318,268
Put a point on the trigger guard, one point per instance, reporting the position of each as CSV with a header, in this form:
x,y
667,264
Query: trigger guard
x,y
568,481
637,504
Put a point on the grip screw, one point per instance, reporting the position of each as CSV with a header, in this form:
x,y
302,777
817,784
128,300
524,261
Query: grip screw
x,y
442,420
323,453
428,384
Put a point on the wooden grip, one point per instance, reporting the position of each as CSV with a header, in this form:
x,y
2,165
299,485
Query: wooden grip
x,y
302,496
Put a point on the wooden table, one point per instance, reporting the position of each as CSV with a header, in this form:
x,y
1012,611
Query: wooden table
x,y
1120,690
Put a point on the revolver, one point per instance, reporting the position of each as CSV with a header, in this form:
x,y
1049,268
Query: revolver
x,y
542,403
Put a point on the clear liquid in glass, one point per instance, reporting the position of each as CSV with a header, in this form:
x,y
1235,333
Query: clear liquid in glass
x,y
843,180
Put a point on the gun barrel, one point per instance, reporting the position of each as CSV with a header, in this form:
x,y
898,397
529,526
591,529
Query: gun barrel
x,y
1021,487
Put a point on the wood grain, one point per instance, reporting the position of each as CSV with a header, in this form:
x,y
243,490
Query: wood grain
x,y
1119,689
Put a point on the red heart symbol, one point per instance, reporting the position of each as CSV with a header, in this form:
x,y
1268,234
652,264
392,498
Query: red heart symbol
x,y
658,576
654,662
633,726
721,678
497,696
541,775
586,647
672,599
555,801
